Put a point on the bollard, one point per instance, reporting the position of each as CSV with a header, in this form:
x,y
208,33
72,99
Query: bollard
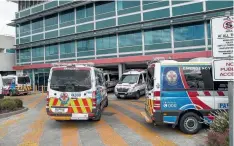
x,y
42,89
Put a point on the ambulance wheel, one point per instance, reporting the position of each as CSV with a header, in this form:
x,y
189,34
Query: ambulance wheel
x,y
190,123
98,117
138,95
106,105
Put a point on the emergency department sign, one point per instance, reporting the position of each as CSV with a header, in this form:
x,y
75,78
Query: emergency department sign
x,y
222,36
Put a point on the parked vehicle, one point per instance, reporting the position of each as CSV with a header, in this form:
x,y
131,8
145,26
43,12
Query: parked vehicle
x,y
1,87
183,93
112,79
131,84
16,85
76,92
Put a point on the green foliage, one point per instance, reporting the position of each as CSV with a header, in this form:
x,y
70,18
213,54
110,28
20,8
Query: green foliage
x,y
9,104
219,130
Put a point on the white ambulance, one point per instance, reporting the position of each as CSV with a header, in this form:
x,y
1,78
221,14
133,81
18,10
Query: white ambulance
x,y
112,79
183,94
76,92
131,84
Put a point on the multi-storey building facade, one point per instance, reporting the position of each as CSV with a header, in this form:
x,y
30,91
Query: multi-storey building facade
x,y
128,31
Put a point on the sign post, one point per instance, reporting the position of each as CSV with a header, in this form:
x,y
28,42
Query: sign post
x,y
223,65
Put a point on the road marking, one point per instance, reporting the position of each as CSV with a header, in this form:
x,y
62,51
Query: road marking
x,y
140,129
138,112
108,135
140,104
38,100
36,130
5,125
69,134
129,108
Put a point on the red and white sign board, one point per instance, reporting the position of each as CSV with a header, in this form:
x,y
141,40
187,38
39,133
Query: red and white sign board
x,y
222,29
223,70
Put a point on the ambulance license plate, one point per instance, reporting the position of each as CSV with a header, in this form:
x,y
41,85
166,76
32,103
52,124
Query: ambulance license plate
x,y
60,110
79,117
121,95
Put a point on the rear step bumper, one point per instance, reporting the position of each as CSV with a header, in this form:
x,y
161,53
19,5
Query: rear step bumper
x,y
146,117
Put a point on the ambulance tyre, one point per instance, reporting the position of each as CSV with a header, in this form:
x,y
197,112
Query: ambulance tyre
x,y
106,105
98,117
138,95
190,123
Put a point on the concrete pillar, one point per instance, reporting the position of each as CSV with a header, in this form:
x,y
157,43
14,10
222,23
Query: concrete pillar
x,y
121,69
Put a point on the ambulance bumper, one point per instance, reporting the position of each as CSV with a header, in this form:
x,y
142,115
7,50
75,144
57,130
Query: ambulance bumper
x,y
126,94
69,116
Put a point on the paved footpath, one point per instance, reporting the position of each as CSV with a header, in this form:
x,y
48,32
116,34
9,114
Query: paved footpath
x,y
121,125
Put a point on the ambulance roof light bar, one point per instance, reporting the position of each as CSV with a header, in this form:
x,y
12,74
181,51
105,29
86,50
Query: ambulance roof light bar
x,y
90,64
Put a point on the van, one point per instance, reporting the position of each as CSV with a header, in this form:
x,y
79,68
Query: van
x,y
76,91
112,79
183,94
1,88
16,85
131,84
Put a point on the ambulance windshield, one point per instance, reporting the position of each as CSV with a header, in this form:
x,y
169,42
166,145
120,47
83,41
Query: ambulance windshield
x,y
130,78
70,80
23,80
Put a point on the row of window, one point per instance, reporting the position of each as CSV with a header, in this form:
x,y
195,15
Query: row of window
x,y
85,13
153,40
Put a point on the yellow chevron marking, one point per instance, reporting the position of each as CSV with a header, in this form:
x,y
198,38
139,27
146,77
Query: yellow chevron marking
x,y
58,103
89,101
51,103
82,105
73,106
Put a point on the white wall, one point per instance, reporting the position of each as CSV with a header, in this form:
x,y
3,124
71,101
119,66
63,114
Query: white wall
x,y
7,42
7,61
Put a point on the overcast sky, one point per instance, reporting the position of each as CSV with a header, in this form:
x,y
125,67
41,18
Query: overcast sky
x,y
7,13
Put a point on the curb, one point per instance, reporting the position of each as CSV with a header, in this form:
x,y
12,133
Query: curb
x,y
5,115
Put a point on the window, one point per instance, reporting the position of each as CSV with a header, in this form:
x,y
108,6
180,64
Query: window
x,y
70,80
84,11
127,4
51,50
208,30
85,45
25,28
37,25
104,7
198,78
156,36
67,16
37,52
189,32
66,48
221,86
150,77
114,77
106,77
130,39
140,81
144,74
51,22
106,42
99,78
25,55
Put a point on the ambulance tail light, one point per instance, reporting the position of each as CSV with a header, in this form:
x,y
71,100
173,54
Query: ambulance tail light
x,y
94,99
157,100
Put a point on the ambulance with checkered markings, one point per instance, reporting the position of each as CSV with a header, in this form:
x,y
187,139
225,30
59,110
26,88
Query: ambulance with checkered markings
x,y
183,93
76,91
16,85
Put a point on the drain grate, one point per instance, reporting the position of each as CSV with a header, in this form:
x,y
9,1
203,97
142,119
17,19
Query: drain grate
x,y
108,113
